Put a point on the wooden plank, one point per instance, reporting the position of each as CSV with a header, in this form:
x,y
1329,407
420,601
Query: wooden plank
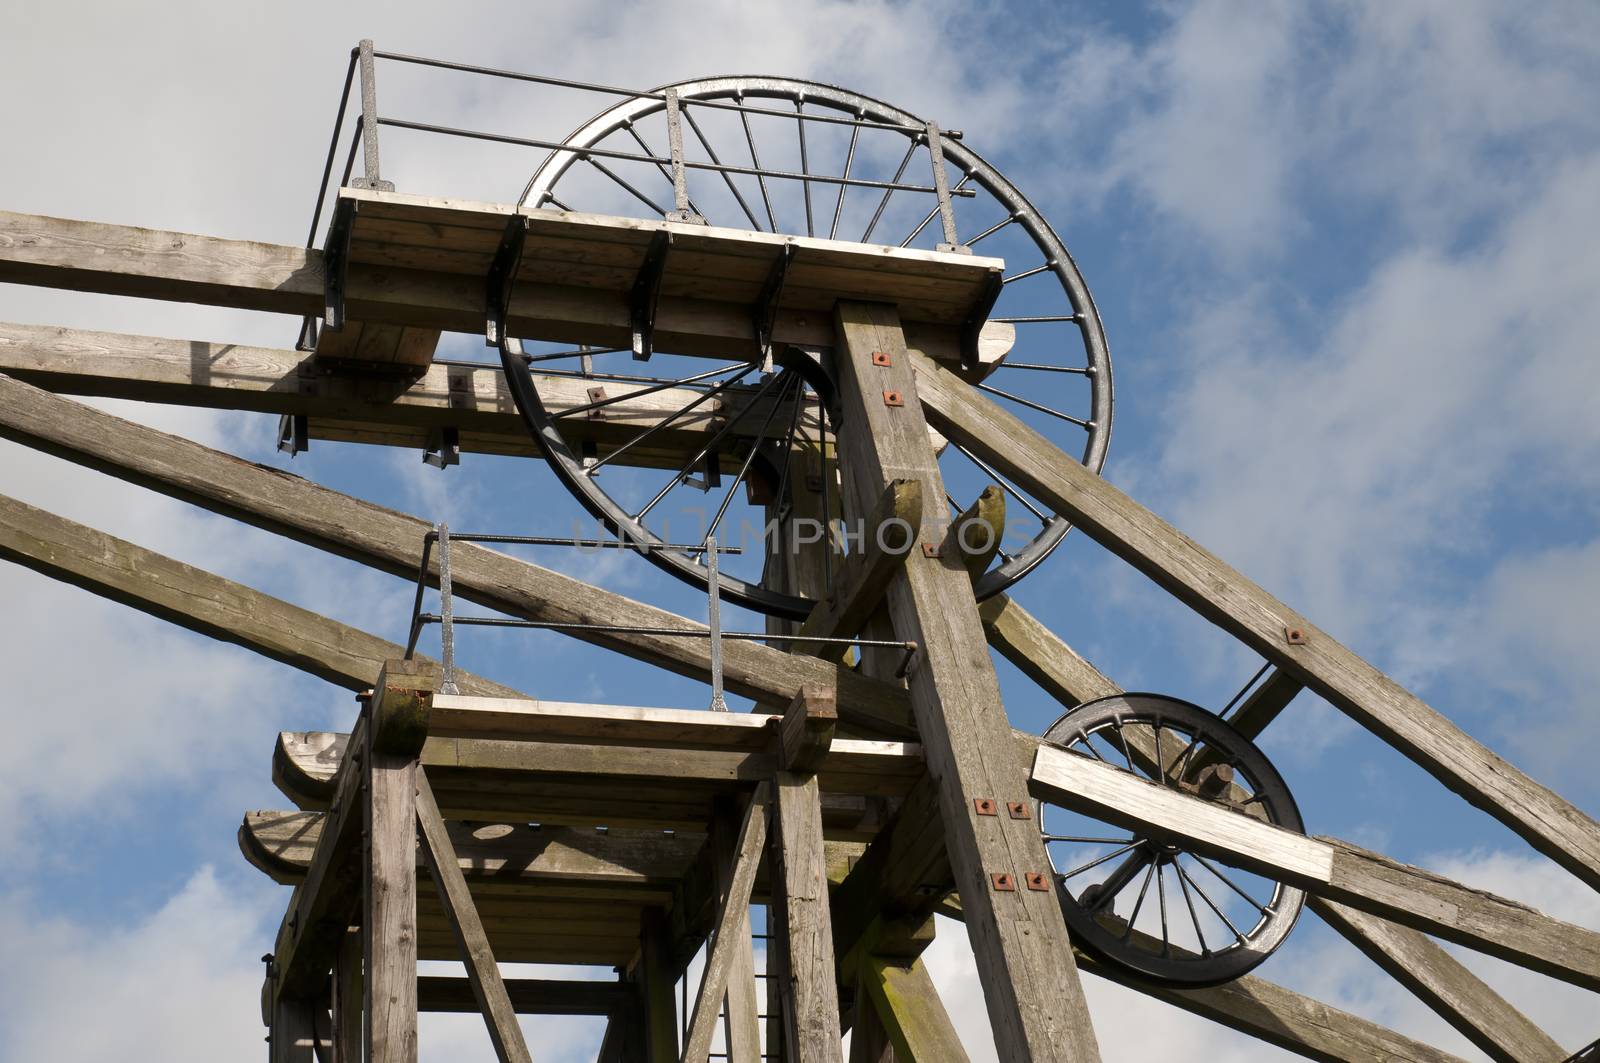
x,y
1035,1003
1219,593
392,542
389,890
184,267
293,1033
811,999
393,411
908,1005
861,581
347,995
483,973
1327,867
1431,973
733,910
658,974
741,1025
530,996
200,601
1445,985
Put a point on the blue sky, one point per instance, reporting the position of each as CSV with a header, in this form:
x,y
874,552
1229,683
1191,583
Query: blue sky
x,y
1344,260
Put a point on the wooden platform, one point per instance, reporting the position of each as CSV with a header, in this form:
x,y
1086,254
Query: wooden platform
x,y
604,254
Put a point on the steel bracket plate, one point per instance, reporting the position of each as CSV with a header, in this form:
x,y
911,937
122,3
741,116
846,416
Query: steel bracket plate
x,y
646,293
502,273
336,262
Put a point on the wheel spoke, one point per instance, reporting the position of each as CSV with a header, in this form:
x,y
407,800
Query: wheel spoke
x,y
726,176
669,419
1161,895
1148,875
640,196
1030,404
633,130
663,386
1210,903
1004,484
1075,872
849,158
744,469
1183,884
558,355
934,213
1035,366
1034,272
877,215
991,230
684,470
755,160
1257,905
1086,841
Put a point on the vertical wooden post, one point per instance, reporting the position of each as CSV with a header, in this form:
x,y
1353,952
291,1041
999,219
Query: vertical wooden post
x,y
293,1034
908,1006
1031,988
397,727
800,877
657,978
347,999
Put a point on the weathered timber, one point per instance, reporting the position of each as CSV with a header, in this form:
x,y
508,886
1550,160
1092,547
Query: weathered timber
x,y
1035,1002
908,1006
657,974
1445,985
529,996
800,879
389,933
347,996
202,602
740,1006
329,891
391,541
1219,593
483,973
348,406
976,531
293,1031
1327,867
183,267
733,912
891,530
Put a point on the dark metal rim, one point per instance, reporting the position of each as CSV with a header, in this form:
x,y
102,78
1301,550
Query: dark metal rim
x,y
1061,264
1221,965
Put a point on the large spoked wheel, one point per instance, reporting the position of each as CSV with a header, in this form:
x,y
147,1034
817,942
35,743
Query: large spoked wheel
x,y
1057,375
1145,904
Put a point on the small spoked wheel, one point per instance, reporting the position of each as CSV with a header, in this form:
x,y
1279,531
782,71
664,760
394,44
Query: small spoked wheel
x,y
792,144
1149,904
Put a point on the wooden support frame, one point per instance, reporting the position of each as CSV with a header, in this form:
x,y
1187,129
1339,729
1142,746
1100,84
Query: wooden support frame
x,y
392,542
732,912
483,973
1222,595
740,1006
1035,1002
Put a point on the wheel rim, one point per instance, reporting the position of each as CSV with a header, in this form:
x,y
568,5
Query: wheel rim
x,y
1152,907
1056,358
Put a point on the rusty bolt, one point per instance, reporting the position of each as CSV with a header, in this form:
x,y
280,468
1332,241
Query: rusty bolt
x,y
1018,809
881,358
1037,881
1294,636
892,398
931,550
984,806
1003,882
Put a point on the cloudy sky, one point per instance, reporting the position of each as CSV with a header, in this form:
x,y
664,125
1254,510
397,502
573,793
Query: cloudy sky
x,y
1345,258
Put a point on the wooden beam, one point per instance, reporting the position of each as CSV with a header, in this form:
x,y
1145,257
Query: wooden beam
x,y
976,531
658,974
200,601
734,909
293,1033
1328,867
389,890
347,995
392,542
908,1005
1445,985
184,267
804,928
1035,1002
530,996
347,406
1263,704
740,1007
483,973
1219,593
889,533
1040,655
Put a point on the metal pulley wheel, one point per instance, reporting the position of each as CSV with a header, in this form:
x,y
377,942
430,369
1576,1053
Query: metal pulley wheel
x,y
794,142
1151,905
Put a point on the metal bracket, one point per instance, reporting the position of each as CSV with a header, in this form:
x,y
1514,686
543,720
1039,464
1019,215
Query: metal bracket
x,y
1018,809
502,272
307,340
683,209
941,187
444,448
972,327
1294,636
767,303
893,398
294,434
1003,882
1036,881
984,806
646,292
882,358
336,262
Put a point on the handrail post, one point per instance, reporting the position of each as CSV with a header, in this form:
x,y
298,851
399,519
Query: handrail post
x,y
371,178
683,210
941,186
